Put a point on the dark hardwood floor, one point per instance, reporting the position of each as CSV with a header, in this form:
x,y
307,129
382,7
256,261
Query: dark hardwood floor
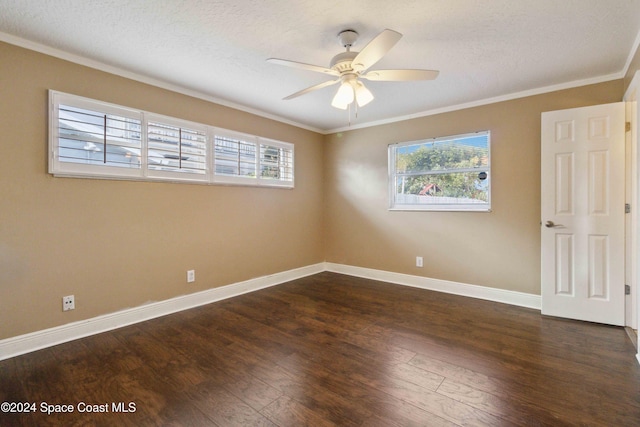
x,y
335,350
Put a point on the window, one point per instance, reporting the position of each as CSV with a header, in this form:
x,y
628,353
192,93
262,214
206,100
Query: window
x,y
176,149
276,162
98,140
235,156
240,158
441,174
94,139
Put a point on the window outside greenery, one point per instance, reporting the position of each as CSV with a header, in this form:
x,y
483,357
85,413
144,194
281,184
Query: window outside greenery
x,y
449,173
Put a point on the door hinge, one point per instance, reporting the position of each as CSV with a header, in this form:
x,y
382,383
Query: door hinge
x,y
627,208
627,126
627,290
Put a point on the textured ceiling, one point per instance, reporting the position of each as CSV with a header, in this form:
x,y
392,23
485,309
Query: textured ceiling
x,y
484,49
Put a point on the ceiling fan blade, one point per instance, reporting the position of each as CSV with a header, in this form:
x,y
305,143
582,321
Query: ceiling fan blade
x,y
400,75
303,66
375,50
311,89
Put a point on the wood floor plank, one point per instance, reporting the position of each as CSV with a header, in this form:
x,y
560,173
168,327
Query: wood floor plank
x,y
288,412
330,349
308,388
430,401
512,410
517,381
205,366
368,339
224,408
385,409
457,373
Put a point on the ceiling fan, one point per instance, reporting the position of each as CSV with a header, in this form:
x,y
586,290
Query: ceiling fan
x,y
350,67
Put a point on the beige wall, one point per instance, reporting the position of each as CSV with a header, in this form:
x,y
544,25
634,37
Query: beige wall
x,y
120,244
500,249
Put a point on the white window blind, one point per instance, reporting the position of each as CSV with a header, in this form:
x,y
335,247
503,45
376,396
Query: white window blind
x,y
94,139
174,148
243,158
276,163
235,156
98,138
88,138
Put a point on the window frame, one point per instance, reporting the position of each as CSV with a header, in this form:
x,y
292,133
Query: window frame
x,y
394,205
145,172
57,167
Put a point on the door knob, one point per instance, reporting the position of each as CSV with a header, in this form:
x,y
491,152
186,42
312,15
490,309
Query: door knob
x,y
549,224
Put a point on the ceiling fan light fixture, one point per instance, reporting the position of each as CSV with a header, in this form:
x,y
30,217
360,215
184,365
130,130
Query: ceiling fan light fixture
x,y
344,96
363,95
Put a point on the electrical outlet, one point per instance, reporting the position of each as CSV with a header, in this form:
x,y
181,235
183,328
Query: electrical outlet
x,y
419,262
191,276
68,303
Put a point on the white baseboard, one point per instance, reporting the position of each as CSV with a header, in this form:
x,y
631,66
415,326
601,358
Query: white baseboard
x,y
474,291
22,344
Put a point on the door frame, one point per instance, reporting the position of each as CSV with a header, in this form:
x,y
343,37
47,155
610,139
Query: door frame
x,y
632,314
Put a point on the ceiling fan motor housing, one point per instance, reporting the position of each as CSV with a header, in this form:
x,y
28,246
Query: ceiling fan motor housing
x,y
342,61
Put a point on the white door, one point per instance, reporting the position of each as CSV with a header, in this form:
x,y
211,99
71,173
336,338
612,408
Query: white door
x,y
583,196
